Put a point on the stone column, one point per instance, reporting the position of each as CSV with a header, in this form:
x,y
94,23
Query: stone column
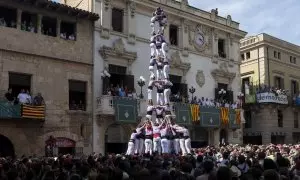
x,y
99,128
19,18
180,36
39,24
185,34
105,19
131,28
215,43
228,47
58,22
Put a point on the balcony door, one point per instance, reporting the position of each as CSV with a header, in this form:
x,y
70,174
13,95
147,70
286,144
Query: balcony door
x,y
178,87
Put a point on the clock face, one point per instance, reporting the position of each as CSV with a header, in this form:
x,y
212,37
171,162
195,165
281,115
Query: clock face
x,y
199,39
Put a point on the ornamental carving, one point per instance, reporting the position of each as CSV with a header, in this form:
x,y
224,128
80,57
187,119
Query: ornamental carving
x,y
200,78
106,4
132,7
176,62
222,74
118,50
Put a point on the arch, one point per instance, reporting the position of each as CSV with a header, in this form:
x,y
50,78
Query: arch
x,y
65,134
7,147
223,135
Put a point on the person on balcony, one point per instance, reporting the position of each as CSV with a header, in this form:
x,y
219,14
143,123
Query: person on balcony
x,y
9,96
22,97
38,100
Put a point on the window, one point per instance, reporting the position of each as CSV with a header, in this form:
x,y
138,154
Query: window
x,y
68,30
296,121
294,87
49,26
179,91
243,56
19,82
292,59
245,85
77,95
117,20
275,54
29,22
279,55
280,118
8,17
221,48
173,35
248,119
279,82
248,55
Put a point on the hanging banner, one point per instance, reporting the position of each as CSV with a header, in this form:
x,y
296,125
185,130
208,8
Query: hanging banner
x,y
210,117
183,113
125,109
271,98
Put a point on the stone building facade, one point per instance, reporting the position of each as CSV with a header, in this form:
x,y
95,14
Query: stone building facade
x,y
121,48
270,62
35,55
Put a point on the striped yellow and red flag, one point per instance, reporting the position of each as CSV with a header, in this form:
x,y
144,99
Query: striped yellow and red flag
x,y
224,115
195,110
238,116
33,112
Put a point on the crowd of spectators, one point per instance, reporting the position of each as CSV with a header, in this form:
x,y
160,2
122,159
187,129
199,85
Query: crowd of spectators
x,y
121,91
229,162
210,102
24,97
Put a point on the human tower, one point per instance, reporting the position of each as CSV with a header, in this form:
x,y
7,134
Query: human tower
x,y
158,133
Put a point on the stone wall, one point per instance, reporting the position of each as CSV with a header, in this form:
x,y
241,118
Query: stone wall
x,y
50,78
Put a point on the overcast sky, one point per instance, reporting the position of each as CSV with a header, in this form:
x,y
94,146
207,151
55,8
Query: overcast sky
x,y
275,17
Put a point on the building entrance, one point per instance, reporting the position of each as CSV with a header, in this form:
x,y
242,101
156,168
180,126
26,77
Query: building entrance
x,y
6,147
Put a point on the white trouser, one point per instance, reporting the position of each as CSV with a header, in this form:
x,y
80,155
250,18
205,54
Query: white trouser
x,y
176,146
153,50
165,145
149,94
159,74
151,66
166,71
156,145
130,149
187,143
148,146
136,146
182,146
167,93
158,120
162,51
160,99
141,146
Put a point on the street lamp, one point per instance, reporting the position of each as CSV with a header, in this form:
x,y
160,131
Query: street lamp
x,y
240,97
222,93
141,83
192,91
105,76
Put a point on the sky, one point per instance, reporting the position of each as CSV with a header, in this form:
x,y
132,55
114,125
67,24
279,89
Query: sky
x,y
275,17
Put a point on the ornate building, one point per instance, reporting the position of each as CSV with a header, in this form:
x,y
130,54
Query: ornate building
x,y
46,48
204,49
271,116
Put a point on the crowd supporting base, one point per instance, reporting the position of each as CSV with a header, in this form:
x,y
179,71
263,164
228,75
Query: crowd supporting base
x,y
231,162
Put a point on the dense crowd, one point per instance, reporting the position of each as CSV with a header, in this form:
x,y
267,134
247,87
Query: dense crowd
x,y
230,162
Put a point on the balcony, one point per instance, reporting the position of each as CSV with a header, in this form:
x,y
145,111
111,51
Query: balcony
x,y
10,111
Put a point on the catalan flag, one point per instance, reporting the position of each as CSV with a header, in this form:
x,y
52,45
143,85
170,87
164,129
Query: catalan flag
x,y
238,116
33,112
224,115
195,111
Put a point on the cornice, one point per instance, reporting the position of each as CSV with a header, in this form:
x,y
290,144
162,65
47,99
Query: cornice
x,y
247,73
192,17
278,72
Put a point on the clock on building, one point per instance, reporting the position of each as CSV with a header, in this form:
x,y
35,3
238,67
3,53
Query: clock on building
x,y
201,39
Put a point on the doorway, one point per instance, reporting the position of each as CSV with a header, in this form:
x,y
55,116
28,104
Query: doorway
x,y
223,136
6,147
116,138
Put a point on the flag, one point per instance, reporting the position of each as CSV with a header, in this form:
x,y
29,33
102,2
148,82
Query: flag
x,y
195,111
224,115
238,116
33,112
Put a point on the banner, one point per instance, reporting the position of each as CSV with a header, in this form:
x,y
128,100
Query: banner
x,y
271,98
250,98
234,118
9,110
125,109
195,111
224,113
183,113
210,117
33,112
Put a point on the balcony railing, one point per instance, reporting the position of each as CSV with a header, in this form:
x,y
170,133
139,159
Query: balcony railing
x,y
17,111
267,97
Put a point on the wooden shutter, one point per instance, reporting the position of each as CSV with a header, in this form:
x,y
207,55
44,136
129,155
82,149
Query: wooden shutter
x,y
282,83
184,89
129,82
